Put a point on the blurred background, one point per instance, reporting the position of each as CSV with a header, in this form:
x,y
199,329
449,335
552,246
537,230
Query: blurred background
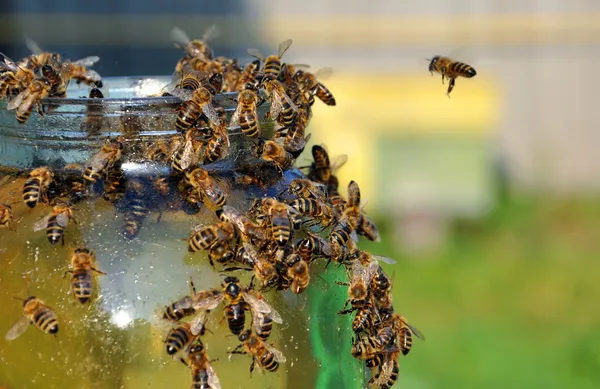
x,y
489,200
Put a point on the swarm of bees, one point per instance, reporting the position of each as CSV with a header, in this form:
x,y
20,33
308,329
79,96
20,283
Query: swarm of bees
x,y
296,220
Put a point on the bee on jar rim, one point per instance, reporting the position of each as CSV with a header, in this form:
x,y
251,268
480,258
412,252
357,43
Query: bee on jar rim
x,y
14,78
272,64
36,186
31,97
82,262
283,110
274,152
246,114
264,355
451,70
195,103
218,146
207,185
55,222
35,312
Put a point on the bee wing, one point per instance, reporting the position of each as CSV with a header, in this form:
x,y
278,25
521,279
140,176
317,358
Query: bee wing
x,y
276,105
235,117
18,328
93,75
32,46
213,380
183,94
211,33
370,271
261,306
323,73
279,357
255,53
179,37
415,331
42,223
209,110
16,102
98,160
209,303
284,46
197,324
257,318
187,156
87,61
387,260
339,161
9,64
358,271
62,219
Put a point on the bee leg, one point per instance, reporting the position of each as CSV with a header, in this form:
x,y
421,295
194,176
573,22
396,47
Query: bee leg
x,y
183,361
192,287
98,271
450,87
342,283
62,240
39,109
68,271
252,366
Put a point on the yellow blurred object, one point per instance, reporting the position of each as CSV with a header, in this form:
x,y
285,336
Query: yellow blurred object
x,y
370,107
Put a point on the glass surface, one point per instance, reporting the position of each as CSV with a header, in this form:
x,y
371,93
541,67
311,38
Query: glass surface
x,y
117,339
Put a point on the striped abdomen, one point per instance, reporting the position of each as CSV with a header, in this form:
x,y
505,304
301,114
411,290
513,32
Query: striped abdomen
x,y
204,238
249,122
45,319
460,69
266,326
405,340
32,191
200,378
268,361
134,217
188,115
54,231
341,233
324,94
92,175
391,379
177,339
272,68
81,285
287,113
236,318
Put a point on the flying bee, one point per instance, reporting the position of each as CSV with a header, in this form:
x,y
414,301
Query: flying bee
x,y
103,160
313,87
36,186
55,222
263,354
322,168
272,64
37,313
82,262
78,71
6,215
187,153
193,48
30,98
204,238
246,114
218,145
298,272
208,186
203,374
450,69
283,110
195,103
275,153
238,300
94,118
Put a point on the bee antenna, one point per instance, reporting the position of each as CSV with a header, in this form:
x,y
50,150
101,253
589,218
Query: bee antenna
x,y
18,298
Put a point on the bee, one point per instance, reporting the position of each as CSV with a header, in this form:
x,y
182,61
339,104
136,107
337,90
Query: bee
x,y
191,79
322,168
250,75
30,97
295,141
94,119
184,306
82,262
114,185
367,347
297,271
208,186
272,66
283,110
136,209
195,103
280,223
203,374
204,238
52,73
404,332
36,186
367,228
238,300
37,313
179,338
78,71
193,48
313,87
6,215
263,354
218,145
187,154
389,371
313,208
275,153
364,319
246,114
313,246
39,57
158,151
450,69
161,185
103,160
14,78
55,222
358,288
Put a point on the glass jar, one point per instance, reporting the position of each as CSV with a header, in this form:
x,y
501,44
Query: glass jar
x,y
117,339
